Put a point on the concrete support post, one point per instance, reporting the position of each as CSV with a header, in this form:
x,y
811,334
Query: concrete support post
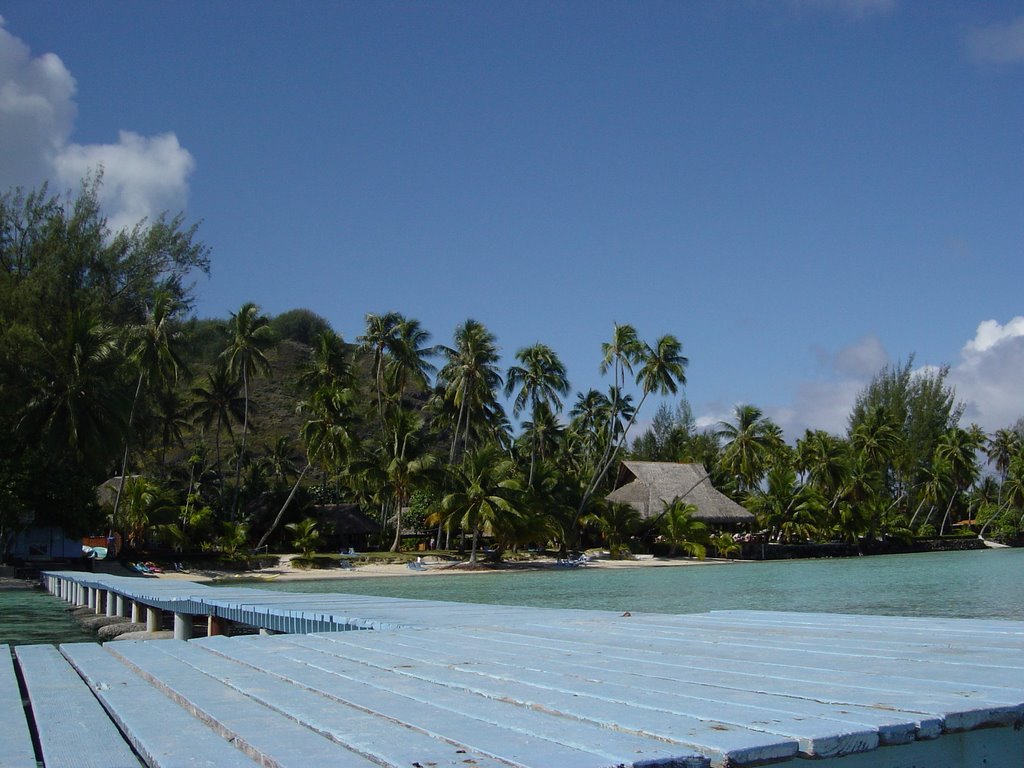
x,y
100,597
182,626
90,597
136,612
123,606
111,603
264,631
153,619
215,625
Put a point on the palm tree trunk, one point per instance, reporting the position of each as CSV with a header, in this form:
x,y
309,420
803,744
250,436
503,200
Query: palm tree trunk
x,y
608,459
945,517
241,453
455,433
914,516
287,502
396,545
127,437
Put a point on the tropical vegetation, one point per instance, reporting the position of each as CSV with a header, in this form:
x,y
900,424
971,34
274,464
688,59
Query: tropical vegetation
x,y
222,434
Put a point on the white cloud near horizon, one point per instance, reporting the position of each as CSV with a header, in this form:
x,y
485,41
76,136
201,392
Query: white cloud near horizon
x,y
142,177
998,43
988,379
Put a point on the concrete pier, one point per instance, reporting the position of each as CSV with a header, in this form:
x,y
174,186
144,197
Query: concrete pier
x,y
450,684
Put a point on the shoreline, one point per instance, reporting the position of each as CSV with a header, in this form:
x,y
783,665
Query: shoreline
x,y
284,571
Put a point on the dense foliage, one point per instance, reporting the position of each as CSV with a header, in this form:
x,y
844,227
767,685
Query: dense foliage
x,y
229,429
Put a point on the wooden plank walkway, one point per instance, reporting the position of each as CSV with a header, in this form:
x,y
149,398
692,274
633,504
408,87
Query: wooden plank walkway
x,y
446,684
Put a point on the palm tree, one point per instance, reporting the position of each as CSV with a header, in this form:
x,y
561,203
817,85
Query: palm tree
x,y
170,419
306,537
541,378
152,350
583,435
218,403
823,458
80,405
471,378
378,341
543,434
410,357
486,492
142,501
250,335
804,521
1002,446
748,445
662,370
279,459
409,464
550,504
1013,486
773,503
617,523
618,355
957,449
326,434
328,365
680,528
936,487
725,545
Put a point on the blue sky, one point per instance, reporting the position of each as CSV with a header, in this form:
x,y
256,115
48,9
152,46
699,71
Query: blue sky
x,y
800,190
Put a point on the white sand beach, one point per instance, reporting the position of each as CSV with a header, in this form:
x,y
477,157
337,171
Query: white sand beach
x,y
286,571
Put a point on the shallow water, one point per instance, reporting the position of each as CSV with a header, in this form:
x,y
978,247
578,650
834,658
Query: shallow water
x,y
30,616
979,584
982,584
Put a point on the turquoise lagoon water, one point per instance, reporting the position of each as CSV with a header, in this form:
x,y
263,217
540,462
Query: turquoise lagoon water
x,y
29,616
979,584
982,584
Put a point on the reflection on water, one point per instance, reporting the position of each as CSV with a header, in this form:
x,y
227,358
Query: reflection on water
x,y
978,584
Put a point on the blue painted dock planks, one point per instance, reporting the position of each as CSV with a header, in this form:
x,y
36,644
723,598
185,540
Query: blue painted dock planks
x,y
492,725
17,751
539,687
160,730
73,728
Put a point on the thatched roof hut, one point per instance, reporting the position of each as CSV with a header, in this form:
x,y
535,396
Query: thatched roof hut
x,y
648,486
106,491
346,519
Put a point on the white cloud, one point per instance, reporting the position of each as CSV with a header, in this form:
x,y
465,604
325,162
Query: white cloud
x,y
989,378
142,176
36,111
990,334
825,403
999,43
863,359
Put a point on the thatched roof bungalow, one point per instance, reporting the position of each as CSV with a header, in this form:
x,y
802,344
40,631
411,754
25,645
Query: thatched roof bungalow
x,y
648,486
347,525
